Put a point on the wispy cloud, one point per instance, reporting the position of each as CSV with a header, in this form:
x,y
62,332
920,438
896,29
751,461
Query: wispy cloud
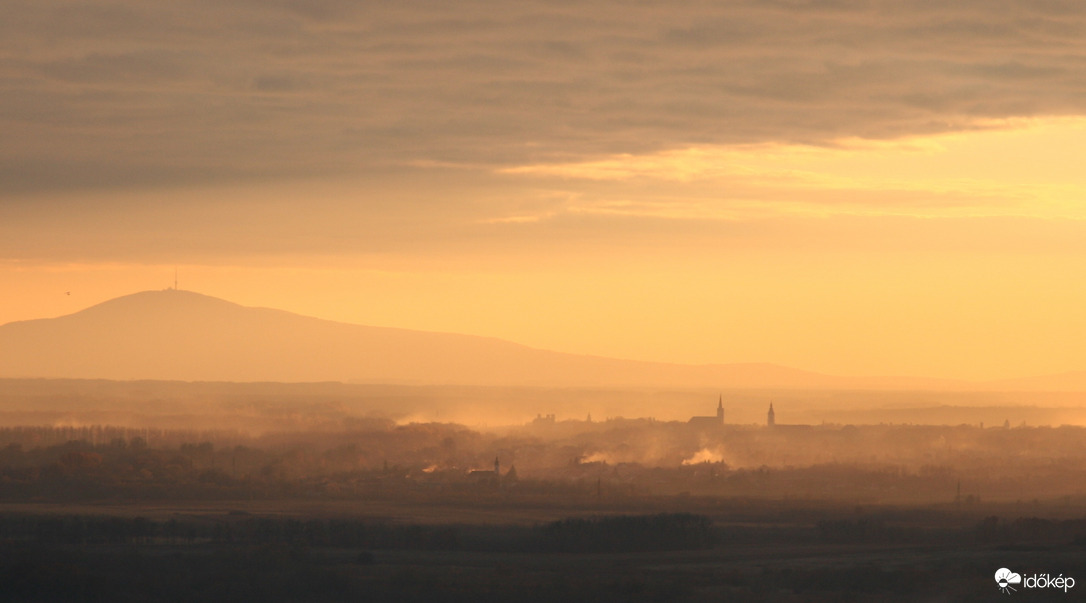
x,y
1012,168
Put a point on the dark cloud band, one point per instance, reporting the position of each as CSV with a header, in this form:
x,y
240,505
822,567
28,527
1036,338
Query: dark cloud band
x,y
125,93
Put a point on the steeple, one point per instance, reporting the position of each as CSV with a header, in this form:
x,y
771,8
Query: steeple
x,y
720,408
771,417
497,467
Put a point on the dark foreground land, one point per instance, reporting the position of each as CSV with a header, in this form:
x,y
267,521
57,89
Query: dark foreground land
x,y
323,501
661,549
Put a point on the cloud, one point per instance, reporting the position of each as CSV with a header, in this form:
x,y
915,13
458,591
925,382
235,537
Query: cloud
x,y
1013,168
506,228
127,93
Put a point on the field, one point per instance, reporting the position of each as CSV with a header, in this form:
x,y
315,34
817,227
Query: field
x,y
388,551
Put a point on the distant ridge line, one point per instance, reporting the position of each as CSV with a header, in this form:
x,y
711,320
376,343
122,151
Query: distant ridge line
x,y
188,336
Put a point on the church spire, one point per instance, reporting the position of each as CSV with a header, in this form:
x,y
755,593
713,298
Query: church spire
x,y
771,417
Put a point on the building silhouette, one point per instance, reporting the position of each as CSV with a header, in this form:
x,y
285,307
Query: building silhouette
x,y
485,476
546,419
771,417
716,421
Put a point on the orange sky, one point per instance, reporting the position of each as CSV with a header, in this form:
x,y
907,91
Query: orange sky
x,y
868,189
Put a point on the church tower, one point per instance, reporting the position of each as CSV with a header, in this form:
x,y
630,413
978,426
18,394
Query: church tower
x,y
771,417
720,408
497,467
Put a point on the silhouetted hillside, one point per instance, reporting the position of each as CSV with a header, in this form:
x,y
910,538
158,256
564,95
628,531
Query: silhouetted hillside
x,y
182,335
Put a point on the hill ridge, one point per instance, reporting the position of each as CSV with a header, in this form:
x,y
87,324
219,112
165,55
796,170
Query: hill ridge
x,y
176,334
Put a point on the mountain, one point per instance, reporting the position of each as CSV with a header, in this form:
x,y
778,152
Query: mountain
x,y
181,335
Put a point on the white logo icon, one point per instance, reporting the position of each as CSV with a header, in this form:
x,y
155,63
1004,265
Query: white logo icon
x,y
1005,578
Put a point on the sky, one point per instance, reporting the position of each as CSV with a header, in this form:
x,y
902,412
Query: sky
x,y
851,187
